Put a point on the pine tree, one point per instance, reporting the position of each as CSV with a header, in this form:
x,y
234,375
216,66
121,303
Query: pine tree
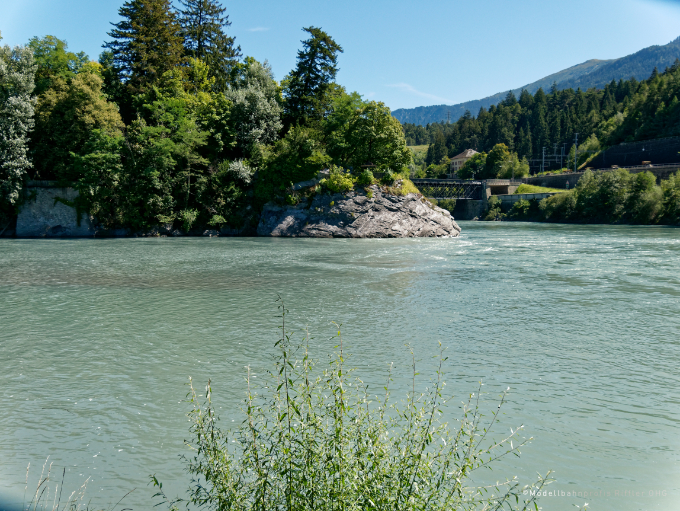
x,y
310,82
146,44
203,27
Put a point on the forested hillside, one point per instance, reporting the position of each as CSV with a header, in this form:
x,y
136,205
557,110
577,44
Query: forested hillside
x,y
173,127
626,110
590,74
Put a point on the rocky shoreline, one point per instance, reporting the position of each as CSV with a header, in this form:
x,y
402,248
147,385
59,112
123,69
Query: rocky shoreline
x,y
371,213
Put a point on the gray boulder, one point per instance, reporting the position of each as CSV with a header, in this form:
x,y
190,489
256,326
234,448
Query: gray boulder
x,y
355,215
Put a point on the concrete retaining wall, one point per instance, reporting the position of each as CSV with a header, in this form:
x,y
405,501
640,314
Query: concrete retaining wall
x,y
468,209
42,216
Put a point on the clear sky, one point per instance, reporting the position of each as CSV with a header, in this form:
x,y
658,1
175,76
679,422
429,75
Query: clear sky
x,y
405,53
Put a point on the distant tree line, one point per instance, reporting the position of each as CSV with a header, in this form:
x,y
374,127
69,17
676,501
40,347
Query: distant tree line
x,y
173,126
627,110
615,196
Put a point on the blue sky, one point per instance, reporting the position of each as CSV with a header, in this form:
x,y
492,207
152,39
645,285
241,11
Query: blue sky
x,y
405,53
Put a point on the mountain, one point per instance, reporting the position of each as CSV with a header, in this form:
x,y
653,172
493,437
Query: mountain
x,y
592,73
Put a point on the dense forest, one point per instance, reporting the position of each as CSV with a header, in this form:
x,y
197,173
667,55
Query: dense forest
x,y
626,110
172,126
590,74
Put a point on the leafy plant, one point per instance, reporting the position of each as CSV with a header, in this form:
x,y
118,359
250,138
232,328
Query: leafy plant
x,y
365,178
315,439
339,181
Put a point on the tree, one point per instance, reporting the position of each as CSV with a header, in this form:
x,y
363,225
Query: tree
x,y
17,73
437,151
474,167
498,156
66,115
255,113
54,61
146,44
513,167
374,136
308,85
203,27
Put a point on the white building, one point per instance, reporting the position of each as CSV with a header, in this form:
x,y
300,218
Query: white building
x,y
458,161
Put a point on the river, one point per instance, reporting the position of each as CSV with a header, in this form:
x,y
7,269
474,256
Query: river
x,y
98,339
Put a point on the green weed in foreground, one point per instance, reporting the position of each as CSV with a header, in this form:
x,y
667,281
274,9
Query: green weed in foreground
x,y
315,439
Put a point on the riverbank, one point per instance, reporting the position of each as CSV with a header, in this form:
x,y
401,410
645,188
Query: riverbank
x,y
614,197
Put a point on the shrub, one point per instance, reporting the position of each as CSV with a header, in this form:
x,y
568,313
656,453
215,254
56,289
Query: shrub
x,y
520,210
365,178
671,199
447,204
493,211
387,178
315,440
559,208
339,181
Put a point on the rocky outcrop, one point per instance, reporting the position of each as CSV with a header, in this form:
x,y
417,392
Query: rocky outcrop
x,y
44,216
355,215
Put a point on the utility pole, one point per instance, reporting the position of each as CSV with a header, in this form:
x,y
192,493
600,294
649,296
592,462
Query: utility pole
x,y
448,117
543,164
575,152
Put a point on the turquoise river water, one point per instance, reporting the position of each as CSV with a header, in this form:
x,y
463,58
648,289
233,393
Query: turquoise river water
x,y
98,339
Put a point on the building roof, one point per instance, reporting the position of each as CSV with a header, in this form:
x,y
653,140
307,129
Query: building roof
x,y
468,153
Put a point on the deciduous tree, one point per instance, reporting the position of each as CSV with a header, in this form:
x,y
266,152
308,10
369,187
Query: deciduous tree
x,y
17,72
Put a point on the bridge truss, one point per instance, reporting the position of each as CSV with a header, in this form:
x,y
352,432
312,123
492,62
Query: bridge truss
x,y
450,188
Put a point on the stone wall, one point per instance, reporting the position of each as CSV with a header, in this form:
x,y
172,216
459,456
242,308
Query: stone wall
x,y
469,209
43,216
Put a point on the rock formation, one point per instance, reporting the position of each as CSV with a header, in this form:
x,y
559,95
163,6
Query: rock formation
x,y
356,215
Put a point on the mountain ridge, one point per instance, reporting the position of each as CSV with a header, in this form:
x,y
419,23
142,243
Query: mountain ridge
x,y
591,73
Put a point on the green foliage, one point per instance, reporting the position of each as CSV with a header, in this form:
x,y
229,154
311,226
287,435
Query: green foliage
x,y
525,188
493,212
308,85
514,168
299,156
524,210
203,25
339,181
54,62
313,438
671,199
616,196
474,167
66,114
365,178
559,208
495,161
146,44
255,112
447,204
372,135
387,178
17,71
626,110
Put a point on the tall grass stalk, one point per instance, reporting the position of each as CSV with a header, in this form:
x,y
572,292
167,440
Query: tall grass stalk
x,y
44,493
313,438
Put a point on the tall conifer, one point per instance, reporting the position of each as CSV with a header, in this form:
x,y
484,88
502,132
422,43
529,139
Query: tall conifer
x,y
310,81
146,43
203,27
